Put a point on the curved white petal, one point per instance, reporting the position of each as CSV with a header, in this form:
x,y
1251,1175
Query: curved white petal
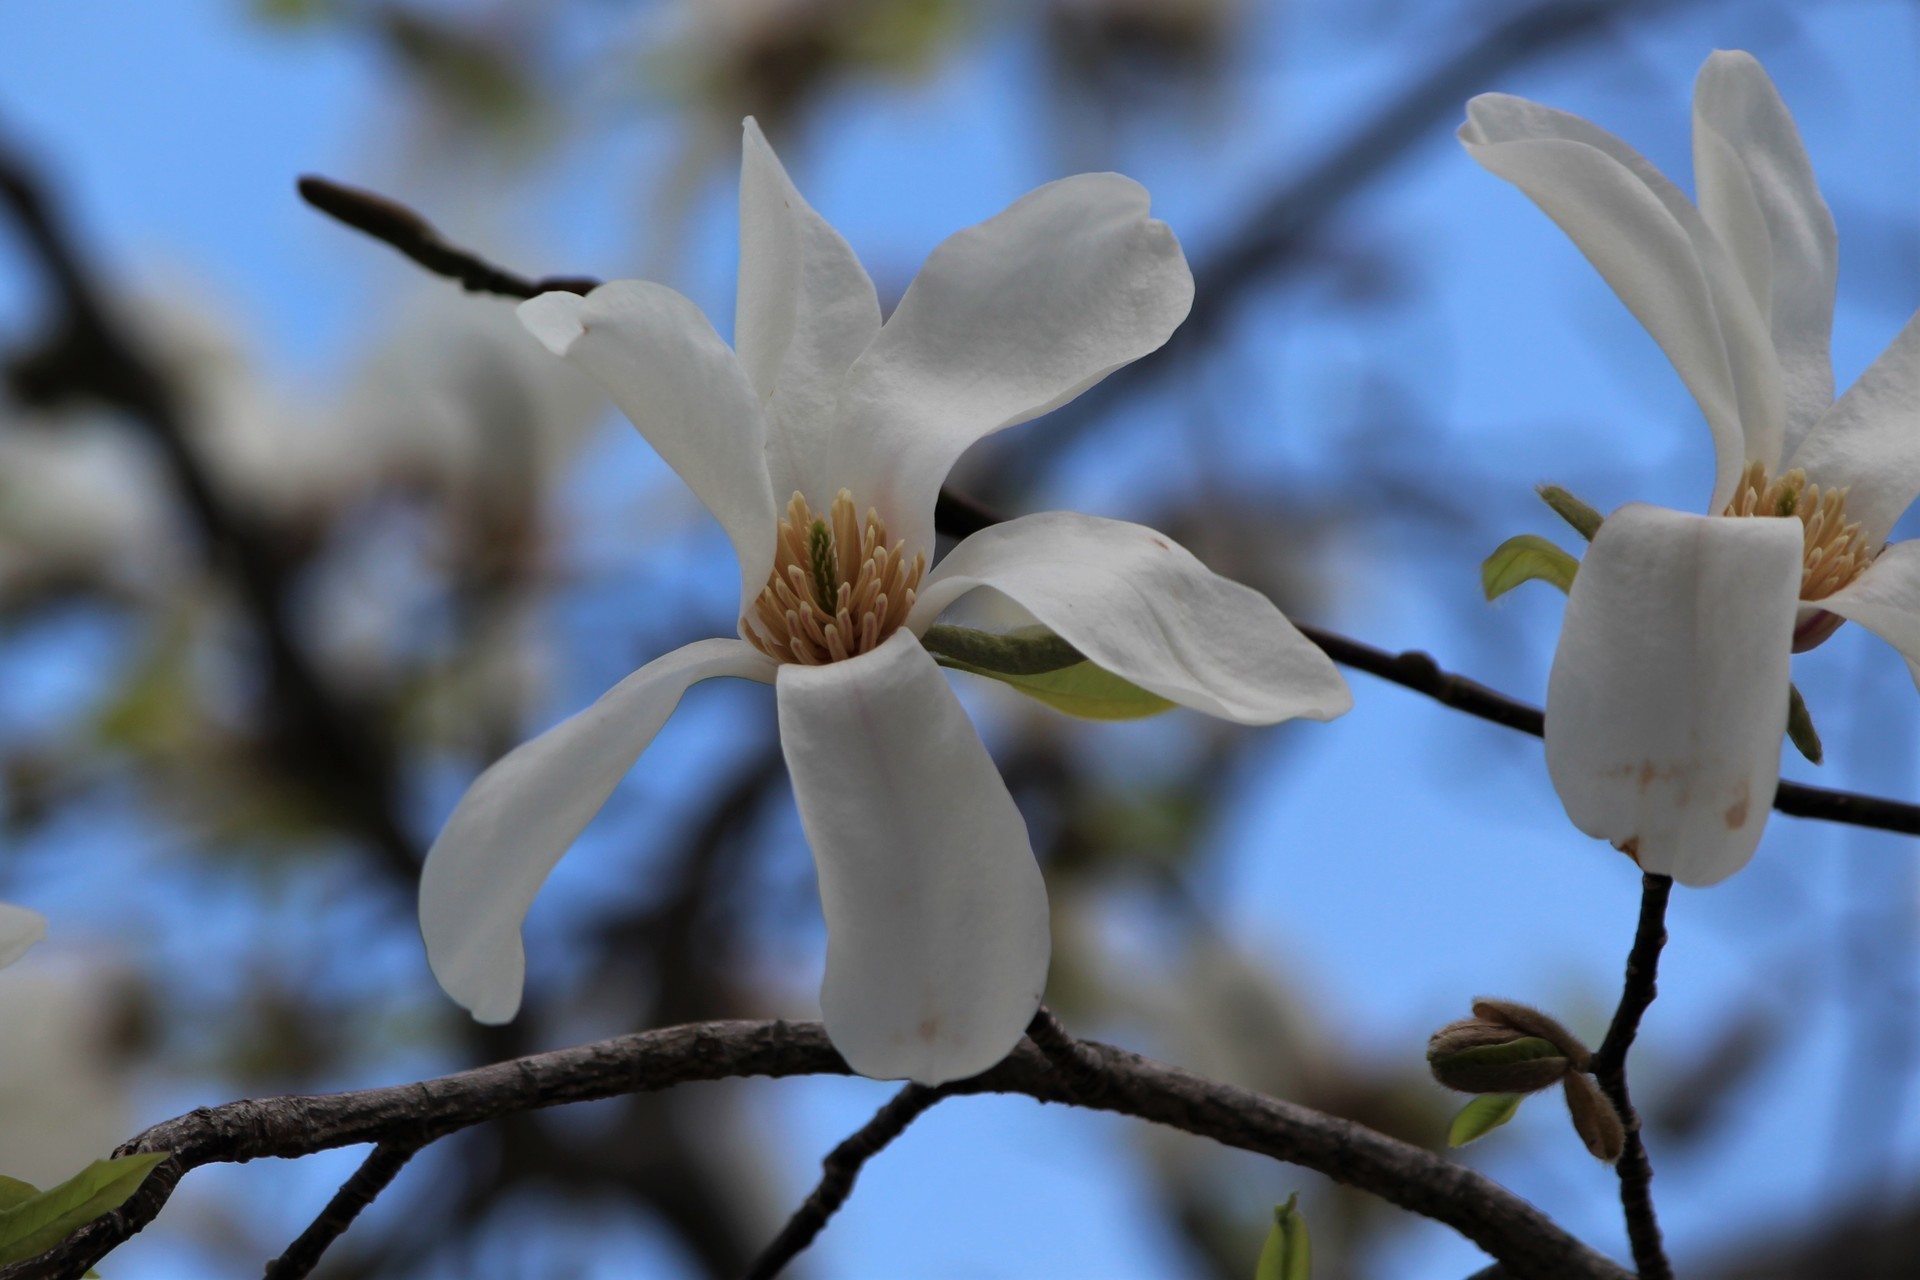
x,y
1758,193
1138,604
806,311
1657,252
936,914
662,363
521,814
1886,600
1668,696
19,929
1869,440
1006,320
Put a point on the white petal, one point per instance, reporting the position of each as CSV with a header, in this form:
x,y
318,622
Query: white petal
x,y
19,929
1869,440
1138,604
1757,191
662,363
937,941
1886,600
1668,696
1006,320
806,311
521,814
1650,243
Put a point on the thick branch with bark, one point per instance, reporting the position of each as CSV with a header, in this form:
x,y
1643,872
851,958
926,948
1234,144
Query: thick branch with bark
x,y
1515,1233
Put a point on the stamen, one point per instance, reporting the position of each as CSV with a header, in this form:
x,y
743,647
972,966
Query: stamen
x,y
837,588
1836,549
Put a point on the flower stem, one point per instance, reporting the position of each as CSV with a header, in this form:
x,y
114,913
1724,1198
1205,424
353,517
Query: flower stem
x,y
1610,1068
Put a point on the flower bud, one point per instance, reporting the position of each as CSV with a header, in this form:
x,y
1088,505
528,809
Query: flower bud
x,y
1532,1022
1477,1056
1594,1118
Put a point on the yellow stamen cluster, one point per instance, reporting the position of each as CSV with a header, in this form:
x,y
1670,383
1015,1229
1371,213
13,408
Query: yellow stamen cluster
x,y
1836,551
838,588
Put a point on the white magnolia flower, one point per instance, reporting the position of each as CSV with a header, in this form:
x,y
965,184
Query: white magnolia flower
x,y
19,929
1669,687
936,914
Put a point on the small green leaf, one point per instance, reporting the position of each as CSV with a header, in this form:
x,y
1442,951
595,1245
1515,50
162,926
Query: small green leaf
x,y
1043,666
1584,519
1028,651
32,1225
1525,558
1083,690
13,1191
1800,726
1287,1254
1482,1116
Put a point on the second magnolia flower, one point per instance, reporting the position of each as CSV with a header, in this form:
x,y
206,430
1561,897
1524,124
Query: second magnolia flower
x,y
820,442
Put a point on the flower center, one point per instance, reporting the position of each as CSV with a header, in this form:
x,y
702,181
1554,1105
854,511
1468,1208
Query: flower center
x,y
838,589
1836,551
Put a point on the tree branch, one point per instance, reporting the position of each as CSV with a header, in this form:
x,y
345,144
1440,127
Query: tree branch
x,y
1610,1069
1507,1227
841,1167
359,1191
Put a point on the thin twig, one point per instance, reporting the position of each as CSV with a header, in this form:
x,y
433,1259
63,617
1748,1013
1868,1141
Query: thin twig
x,y
1504,1225
838,1172
367,1182
395,224
1610,1069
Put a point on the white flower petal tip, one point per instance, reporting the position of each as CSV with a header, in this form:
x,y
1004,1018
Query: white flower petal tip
x,y
513,824
937,942
1006,321
1141,606
19,930
1668,695
554,318
658,357
1657,251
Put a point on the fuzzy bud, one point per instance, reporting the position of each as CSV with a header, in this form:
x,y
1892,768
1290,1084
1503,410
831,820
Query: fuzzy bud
x,y
1477,1056
1594,1118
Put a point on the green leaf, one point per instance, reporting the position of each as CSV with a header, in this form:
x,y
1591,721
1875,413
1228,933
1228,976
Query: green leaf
x,y
13,1191
1525,558
1800,726
1028,651
1287,1254
1482,1116
1584,519
1084,690
1043,666
32,1225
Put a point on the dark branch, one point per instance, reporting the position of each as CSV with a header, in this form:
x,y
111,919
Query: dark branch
x,y
1507,1227
392,223
1610,1069
367,1182
839,1170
